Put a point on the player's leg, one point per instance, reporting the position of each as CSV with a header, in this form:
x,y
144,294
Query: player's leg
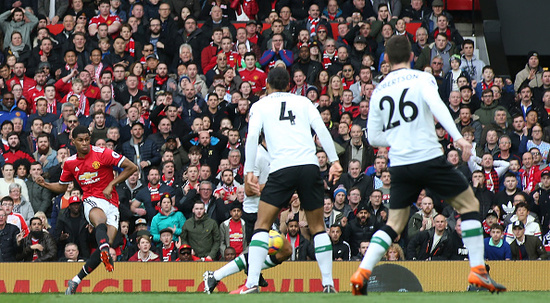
x,y
311,191
453,186
96,217
379,244
99,221
472,236
257,250
241,263
403,191
323,247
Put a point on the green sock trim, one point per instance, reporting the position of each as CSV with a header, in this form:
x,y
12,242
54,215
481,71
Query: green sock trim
x,y
240,263
259,243
269,264
380,242
472,232
321,249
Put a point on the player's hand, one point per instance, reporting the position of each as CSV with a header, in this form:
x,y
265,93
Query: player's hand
x,y
107,191
466,148
251,185
335,172
40,181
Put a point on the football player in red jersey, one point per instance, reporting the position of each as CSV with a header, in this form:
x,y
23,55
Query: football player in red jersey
x,y
92,167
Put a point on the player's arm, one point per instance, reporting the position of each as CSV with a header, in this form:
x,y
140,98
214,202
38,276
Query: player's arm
x,y
431,95
251,147
374,127
57,188
324,136
128,169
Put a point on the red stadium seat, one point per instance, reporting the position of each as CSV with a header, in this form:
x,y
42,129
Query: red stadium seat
x,y
461,5
412,27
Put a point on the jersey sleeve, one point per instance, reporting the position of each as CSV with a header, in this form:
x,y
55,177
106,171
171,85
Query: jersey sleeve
x,y
111,157
431,95
251,148
66,174
374,126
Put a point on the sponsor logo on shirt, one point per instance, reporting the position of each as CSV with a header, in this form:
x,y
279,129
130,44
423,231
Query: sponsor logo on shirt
x,y
88,178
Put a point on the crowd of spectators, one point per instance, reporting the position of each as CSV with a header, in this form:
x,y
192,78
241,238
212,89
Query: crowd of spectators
x,y
169,83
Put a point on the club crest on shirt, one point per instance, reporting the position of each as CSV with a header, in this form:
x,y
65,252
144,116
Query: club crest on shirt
x,y
96,165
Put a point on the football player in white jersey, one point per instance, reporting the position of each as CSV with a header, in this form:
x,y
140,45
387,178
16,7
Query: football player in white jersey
x,y
250,210
286,121
401,116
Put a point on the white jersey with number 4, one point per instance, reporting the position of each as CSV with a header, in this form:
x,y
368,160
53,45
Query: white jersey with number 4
x,y
286,120
401,115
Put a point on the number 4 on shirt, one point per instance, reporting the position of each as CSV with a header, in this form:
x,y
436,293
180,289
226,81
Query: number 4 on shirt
x,y
290,116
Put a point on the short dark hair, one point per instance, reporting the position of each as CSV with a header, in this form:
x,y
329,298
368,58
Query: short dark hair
x,y
81,129
497,226
398,49
468,42
249,54
278,78
34,218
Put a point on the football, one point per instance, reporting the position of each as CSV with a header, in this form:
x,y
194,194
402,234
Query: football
x,y
275,242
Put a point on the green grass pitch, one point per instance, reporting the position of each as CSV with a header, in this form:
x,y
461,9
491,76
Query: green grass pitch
x,y
458,297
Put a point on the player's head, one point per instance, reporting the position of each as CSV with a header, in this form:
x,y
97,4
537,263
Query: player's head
x,y
81,129
398,50
81,139
278,79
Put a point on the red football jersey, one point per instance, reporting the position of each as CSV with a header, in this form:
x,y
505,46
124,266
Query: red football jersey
x,y
256,77
93,172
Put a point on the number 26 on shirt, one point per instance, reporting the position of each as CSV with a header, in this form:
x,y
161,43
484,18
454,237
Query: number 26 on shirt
x,y
402,105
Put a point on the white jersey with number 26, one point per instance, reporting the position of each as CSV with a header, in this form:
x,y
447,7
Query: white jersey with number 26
x,y
401,116
286,120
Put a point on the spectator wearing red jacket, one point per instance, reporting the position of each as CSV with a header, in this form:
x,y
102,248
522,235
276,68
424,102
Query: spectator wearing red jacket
x,y
14,152
27,83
